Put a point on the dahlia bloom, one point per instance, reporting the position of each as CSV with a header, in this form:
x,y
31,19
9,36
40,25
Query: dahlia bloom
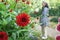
x,y
3,36
27,2
23,0
57,37
22,19
58,27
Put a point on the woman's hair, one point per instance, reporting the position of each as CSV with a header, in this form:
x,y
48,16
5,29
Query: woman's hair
x,y
46,4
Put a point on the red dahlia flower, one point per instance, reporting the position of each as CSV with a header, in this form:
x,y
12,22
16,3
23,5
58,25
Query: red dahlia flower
x,y
3,36
23,0
58,27
22,19
58,38
27,2
16,1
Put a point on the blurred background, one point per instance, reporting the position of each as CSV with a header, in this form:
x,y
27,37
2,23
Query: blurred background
x,y
9,9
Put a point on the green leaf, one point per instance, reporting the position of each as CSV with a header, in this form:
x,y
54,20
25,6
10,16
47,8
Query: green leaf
x,y
12,6
14,36
9,38
2,7
4,22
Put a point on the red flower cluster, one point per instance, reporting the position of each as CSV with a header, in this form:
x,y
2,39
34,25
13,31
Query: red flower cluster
x,y
58,38
22,19
58,27
3,36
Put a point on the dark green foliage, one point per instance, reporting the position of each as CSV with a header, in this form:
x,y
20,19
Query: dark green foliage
x,y
54,19
55,11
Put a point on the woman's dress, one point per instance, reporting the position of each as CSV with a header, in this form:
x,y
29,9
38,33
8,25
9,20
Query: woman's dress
x,y
44,17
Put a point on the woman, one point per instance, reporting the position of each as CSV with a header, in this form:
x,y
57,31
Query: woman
x,y
44,19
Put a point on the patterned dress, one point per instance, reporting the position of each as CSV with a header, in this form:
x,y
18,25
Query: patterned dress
x,y
44,17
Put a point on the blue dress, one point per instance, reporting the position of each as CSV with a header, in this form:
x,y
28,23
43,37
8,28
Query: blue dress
x,y
44,17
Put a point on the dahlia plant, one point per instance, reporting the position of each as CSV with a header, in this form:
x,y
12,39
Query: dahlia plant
x,y
15,19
